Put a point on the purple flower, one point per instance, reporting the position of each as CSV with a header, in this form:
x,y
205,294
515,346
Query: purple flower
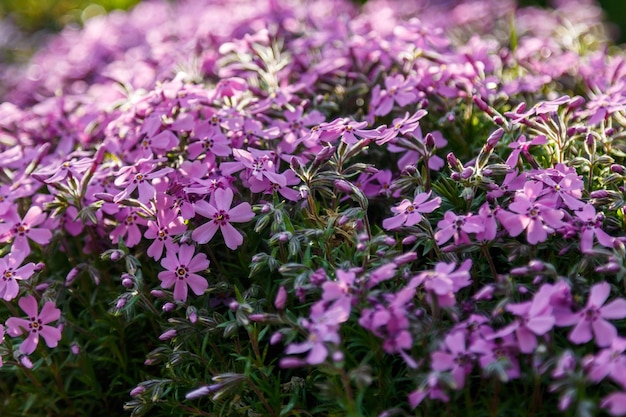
x,y
522,145
323,327
181,265
221,215
454,356
35,325
609,362
409,213
397,89
538,217
592,227
534,318
591,321
11,272
444,281
20,230
458,227
614,403
139,177
167,225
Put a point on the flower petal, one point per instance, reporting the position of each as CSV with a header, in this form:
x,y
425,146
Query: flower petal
x,y
204,233
598,294
604,332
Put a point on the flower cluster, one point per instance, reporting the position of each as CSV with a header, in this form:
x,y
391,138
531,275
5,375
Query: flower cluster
x,y
408,196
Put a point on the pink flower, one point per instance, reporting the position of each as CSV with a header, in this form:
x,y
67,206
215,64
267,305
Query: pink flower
x,y
609,362
35,325
23,229
534,319
522,145
614,403
181,265
167,225
458,227
444,281
538,218
323,328
591,321
139,177
409,213
11,272
592,227
396,89
454,357
221,216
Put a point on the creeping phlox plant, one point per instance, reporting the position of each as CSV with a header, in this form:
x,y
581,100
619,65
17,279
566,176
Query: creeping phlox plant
x,y
316,208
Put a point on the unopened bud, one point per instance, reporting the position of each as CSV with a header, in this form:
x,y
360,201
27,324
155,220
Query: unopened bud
x,y
405,258
452,161
575,103
71,276
467,173
106,197
169,334
343,186
429,141
281,299
26,362
495,137
481,104
276,338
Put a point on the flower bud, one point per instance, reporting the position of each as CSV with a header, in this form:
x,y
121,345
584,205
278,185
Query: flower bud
x,y
405,258
281,299
167,307
258,317
157,293
481,104
26,362
452,161
575,103
106,197
138,390
120,303
71,276
467,173
429,141
169,334
495,137
343,186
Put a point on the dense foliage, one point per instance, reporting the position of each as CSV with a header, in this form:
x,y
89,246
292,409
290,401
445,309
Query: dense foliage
x,y
316,208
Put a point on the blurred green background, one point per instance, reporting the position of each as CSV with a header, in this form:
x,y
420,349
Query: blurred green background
x,y
51,15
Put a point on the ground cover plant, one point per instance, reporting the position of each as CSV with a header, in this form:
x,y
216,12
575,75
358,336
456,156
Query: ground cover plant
x,y
316,208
